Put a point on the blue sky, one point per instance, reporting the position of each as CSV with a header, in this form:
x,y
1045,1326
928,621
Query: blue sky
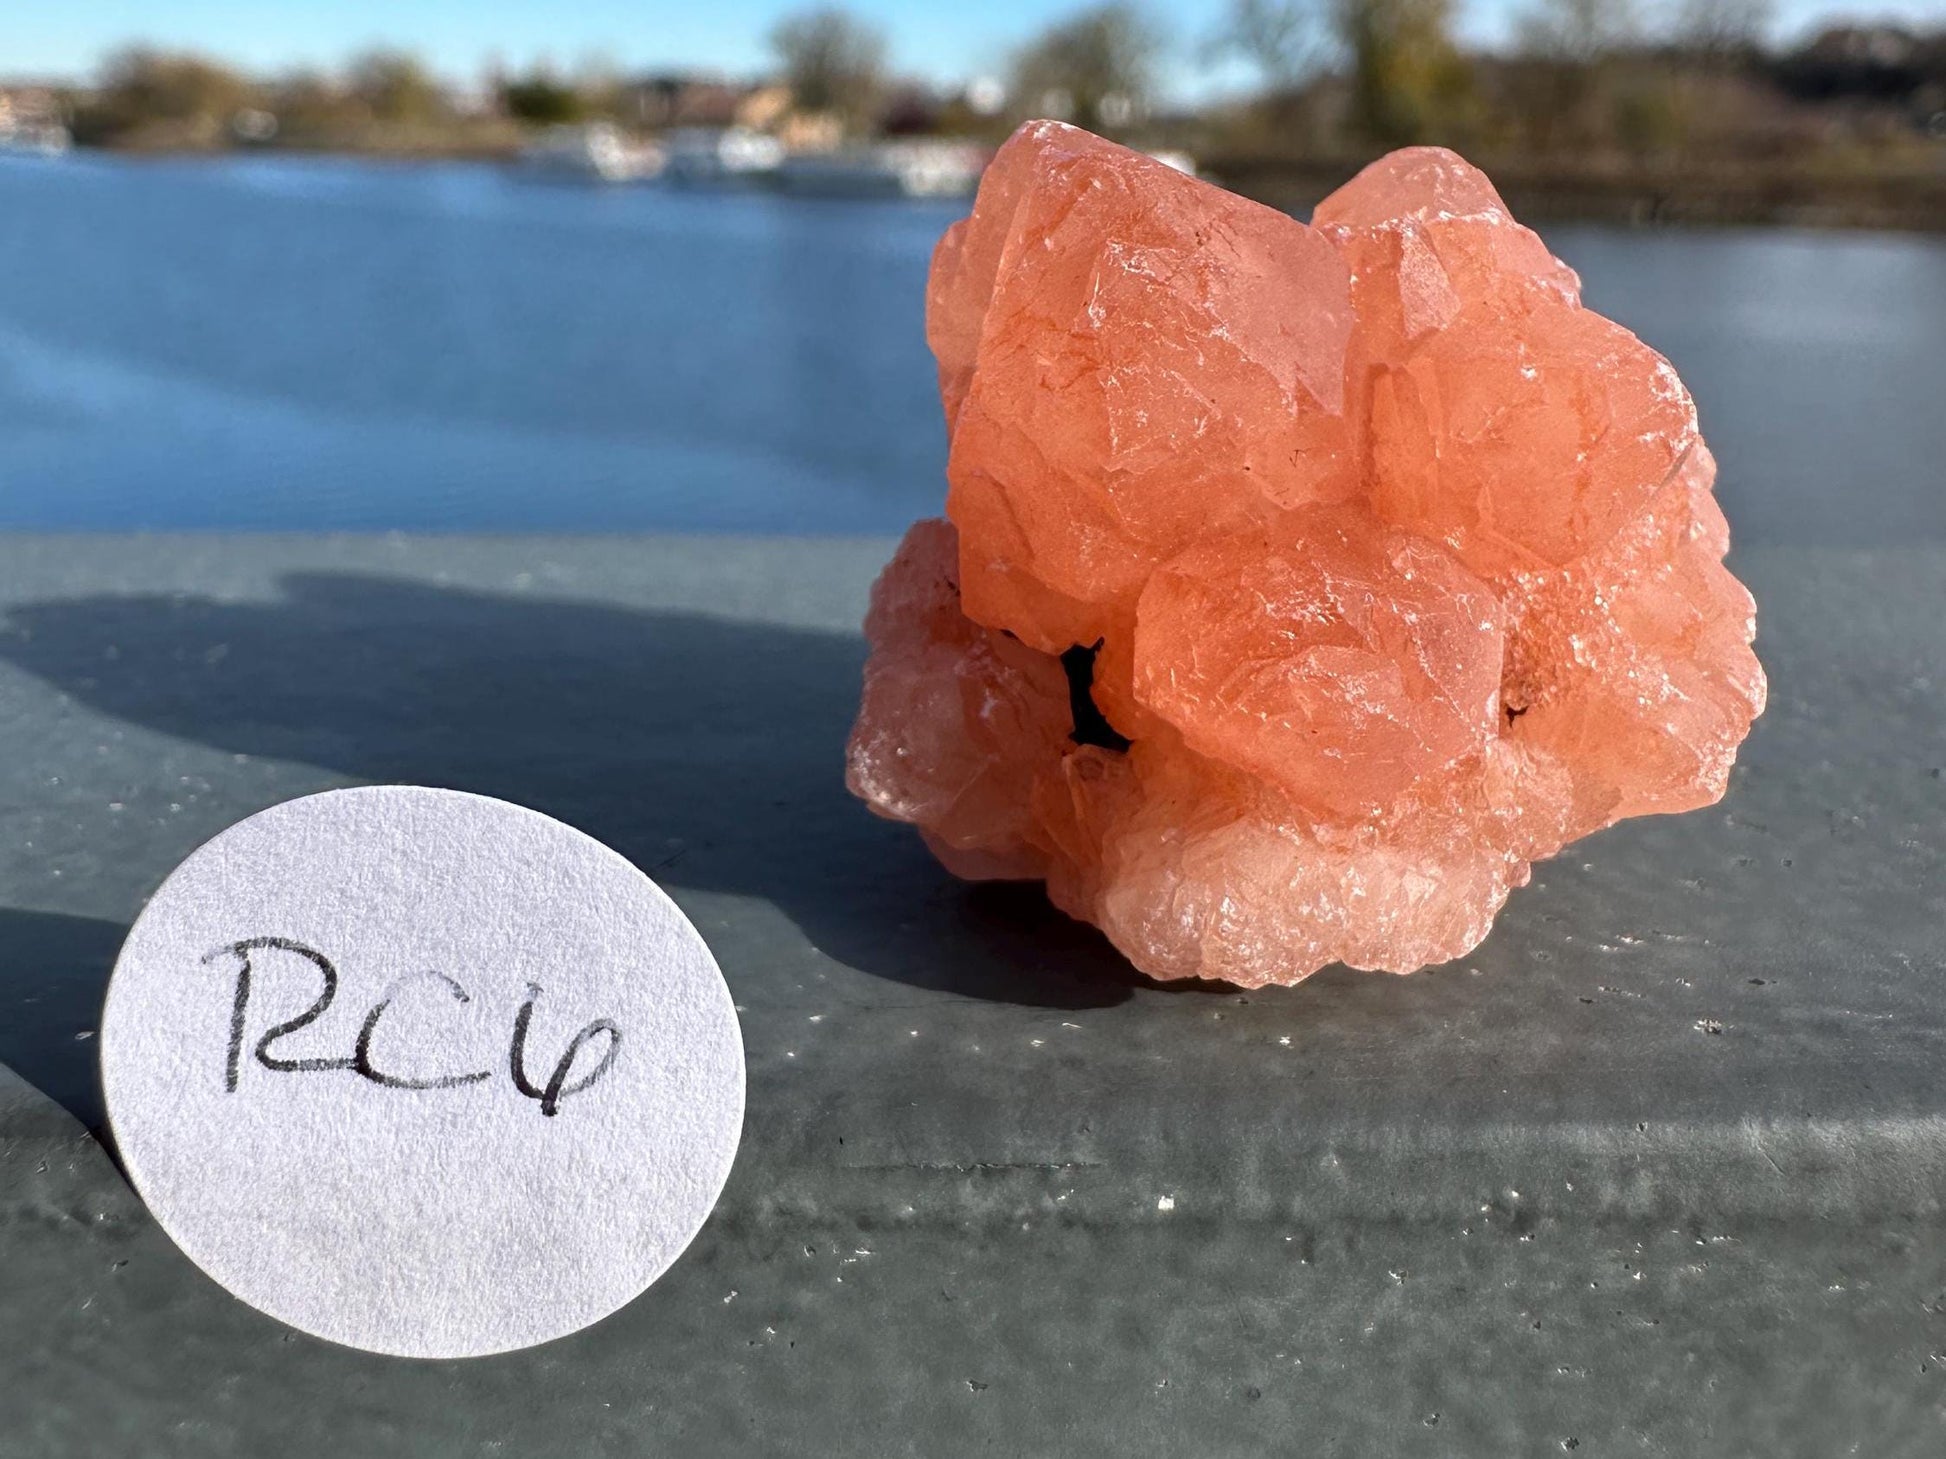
x,y
946,40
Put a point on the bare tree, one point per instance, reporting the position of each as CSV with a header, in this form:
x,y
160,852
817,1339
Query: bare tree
x,y
1285,40
1719,29
1564,92
1097,70
833,62
1404,63
1578,31
395,87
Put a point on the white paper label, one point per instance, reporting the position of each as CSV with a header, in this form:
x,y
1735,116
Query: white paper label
x,y
422,1072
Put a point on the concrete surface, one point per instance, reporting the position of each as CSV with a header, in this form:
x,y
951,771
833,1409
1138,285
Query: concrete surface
x,y
1659,1170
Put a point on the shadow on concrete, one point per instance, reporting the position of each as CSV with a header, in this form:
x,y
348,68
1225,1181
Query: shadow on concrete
x,y
53,973
708,752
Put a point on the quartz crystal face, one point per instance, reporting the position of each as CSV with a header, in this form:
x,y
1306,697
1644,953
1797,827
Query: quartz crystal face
x,y
1300,585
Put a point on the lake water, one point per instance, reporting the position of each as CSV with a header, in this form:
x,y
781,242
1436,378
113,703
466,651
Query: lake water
x,y
279,343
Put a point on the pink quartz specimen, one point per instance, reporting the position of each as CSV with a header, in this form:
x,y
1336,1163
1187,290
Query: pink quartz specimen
x,y
1302,585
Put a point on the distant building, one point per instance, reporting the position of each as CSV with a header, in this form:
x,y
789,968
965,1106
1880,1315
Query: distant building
x,y
681,99
29,104
700,104
810,131
764,107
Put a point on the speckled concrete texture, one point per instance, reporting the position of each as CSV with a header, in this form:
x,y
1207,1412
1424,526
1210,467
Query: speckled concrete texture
x,y
1659,1170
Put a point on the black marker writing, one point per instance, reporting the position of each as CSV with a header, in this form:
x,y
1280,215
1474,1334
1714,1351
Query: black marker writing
x,y
558,1087
361,1057
240,1005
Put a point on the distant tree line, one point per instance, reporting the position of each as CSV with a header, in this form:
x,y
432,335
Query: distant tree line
x,y
146,97
1332,78
1584,85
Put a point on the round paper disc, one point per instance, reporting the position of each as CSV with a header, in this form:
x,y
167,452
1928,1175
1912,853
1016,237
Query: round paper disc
x,y
422,1072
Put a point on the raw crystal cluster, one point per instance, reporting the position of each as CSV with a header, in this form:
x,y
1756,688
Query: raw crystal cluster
x,y
1302,584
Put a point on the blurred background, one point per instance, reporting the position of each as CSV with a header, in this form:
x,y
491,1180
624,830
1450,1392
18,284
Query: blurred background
x,y
425,265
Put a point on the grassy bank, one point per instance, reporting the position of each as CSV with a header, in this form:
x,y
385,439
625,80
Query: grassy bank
x,y
1828,196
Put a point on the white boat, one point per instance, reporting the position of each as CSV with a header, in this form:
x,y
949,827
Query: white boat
x,y
34,139
915,169
594,152
714,156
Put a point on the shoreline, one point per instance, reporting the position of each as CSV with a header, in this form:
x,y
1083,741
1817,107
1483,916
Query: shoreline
x,y
1904,200
1714,195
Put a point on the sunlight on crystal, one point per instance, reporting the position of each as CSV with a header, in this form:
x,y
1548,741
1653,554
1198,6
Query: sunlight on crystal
x,y
1301,584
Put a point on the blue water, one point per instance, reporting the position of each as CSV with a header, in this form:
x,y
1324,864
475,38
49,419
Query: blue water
x,y
319,343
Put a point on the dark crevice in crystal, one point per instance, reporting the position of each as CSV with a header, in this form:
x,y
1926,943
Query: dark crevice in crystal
x,y
1091,726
